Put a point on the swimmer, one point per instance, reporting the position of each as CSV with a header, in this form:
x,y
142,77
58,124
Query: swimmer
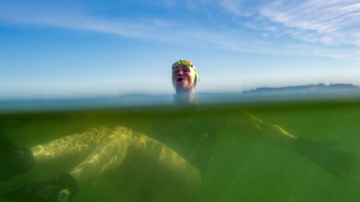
x,y
171,162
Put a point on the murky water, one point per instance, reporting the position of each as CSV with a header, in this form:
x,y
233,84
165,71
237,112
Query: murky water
x,y
242,166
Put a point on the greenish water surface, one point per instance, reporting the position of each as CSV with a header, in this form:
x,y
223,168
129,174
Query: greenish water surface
x,y
242,167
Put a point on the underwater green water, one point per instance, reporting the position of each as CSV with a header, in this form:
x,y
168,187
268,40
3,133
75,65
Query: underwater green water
x,y
242,168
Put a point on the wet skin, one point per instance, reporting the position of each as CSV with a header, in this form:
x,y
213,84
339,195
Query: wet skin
x,y
183,79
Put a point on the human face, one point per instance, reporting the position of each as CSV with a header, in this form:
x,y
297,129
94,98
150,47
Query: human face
x,y
183,78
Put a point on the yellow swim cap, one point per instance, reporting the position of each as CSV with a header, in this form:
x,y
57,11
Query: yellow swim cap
x,y
189,64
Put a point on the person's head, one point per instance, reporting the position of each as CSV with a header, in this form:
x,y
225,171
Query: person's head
x,y
184,76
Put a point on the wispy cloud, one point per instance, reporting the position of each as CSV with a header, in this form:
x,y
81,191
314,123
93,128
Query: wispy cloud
x,y
333,22
30,16
330,22
231,6
166,3
314,22
318,23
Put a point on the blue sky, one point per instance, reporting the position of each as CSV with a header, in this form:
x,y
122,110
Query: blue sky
x,y
72,49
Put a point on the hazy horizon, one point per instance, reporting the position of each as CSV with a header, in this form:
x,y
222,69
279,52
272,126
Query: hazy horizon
x,y
135,94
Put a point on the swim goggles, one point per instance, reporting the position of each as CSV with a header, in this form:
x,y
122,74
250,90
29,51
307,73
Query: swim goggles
x,y
189,64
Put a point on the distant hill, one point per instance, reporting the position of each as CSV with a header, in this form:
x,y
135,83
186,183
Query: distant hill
x,y
306,92
319,87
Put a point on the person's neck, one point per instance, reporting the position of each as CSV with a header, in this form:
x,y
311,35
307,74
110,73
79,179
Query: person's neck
x,y
185,97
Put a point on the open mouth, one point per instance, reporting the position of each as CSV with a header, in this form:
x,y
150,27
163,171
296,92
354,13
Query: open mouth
x,y
180,79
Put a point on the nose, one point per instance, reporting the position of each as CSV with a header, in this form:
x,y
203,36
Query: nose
x,y
180,73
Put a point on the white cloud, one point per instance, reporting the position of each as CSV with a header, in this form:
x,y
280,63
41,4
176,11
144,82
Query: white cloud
x,y
312,21
25,15
168,3
330,22
328,28
231,6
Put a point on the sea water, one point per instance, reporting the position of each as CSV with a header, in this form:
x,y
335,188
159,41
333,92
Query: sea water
x,y
242,168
